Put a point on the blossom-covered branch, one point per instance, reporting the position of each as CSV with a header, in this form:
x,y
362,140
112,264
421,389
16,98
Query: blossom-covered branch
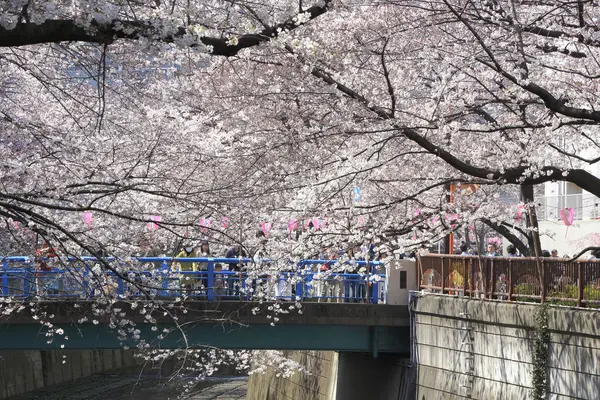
x,y
107,32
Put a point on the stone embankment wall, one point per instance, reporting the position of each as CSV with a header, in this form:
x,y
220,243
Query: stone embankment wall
x,y
484,350
319,385
24,371
337,376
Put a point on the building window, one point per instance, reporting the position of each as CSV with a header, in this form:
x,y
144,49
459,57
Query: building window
x,y
403,279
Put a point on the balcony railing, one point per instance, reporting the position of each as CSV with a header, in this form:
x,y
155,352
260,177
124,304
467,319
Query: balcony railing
x,y
586,206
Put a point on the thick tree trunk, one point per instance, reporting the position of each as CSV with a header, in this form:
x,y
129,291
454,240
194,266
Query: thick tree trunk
x,y
467,237
507,233
527,197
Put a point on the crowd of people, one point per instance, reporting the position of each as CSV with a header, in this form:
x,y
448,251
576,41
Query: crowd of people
x,y
511,251
279,282
233,279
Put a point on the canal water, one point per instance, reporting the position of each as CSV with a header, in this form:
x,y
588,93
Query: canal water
x,y
134,387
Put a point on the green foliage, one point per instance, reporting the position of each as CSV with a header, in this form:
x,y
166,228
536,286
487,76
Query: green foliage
x,y
539,374
570,291
527,288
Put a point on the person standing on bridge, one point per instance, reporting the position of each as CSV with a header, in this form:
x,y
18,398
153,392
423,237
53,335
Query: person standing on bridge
x,y
187,280
492,251
233,283
45,282
511,251
202,282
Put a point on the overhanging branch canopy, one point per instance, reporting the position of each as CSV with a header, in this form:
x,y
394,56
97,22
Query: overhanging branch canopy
x,y
68,30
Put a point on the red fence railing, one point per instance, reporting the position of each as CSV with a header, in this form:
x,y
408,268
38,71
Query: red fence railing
x,y
512,278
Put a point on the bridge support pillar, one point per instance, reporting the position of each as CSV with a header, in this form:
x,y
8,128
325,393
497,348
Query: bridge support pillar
x,y
361,376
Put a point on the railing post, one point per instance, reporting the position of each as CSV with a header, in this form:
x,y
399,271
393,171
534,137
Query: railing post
x,y
492,279
374,291
485,277
26,282
242,280
210,290
580,285
164,271
84,280
299,283
470,277
544,288
5,282
443,276
465,277
510,283
419,266
120,286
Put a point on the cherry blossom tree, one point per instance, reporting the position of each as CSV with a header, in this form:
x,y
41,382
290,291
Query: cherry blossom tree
x,y
478,107
360,114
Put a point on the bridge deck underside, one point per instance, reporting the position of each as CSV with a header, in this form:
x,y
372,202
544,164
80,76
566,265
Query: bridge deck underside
x,y
231,325
227,336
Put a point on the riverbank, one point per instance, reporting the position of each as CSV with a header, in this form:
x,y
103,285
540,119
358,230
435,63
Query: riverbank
x,y
135,387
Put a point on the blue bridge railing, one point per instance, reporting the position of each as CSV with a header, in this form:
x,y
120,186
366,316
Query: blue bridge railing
x,y
203,278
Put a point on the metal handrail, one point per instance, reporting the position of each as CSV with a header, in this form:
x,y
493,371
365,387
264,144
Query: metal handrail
x,y
32,277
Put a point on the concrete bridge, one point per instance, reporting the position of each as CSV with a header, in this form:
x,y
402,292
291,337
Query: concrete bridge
x,y
373,328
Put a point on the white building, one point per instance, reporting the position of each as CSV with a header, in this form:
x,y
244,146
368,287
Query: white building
x,y
585,228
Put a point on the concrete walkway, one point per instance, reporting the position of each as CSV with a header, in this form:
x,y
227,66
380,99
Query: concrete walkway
x,y
233,390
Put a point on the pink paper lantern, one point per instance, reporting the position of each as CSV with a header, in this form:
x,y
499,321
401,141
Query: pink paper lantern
x,y
88,218
205,223
567,215
153,226
265,227
224,222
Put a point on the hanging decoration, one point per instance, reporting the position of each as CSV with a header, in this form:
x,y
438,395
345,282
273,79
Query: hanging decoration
x,y
265,227
433,220
417,212
452,218
520,213
361,222
496,241
357,194
205,224
292,226
567,215
323,222
88,218
224,222
153,226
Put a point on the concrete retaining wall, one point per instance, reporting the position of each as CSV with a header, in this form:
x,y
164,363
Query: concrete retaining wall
x,y
337,376
320,385
486,353
24,371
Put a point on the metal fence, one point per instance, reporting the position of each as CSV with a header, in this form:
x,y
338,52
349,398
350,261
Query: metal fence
x,y
202,278
512,278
